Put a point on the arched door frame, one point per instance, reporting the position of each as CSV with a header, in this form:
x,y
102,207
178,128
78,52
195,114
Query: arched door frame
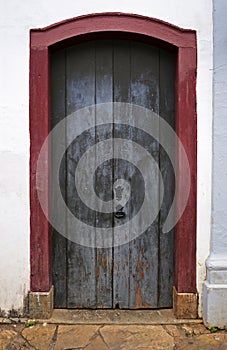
x,y
42,41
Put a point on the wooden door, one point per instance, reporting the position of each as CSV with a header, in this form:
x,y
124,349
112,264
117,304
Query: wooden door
x,y
138,274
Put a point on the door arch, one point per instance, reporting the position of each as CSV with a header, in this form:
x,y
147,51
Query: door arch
x,y
62,34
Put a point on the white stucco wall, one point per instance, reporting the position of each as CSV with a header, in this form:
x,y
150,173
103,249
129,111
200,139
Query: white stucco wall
x,y
18,17
215,287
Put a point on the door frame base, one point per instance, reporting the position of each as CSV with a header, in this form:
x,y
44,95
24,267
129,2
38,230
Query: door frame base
x,y
185,305
41,304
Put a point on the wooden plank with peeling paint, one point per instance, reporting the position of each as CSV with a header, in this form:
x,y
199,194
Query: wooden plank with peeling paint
x,y
80,92
104,173
122,93
59,242
144,249
166,241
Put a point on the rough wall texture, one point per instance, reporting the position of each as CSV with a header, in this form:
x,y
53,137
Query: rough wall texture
x,y
219,190
17,19
215,287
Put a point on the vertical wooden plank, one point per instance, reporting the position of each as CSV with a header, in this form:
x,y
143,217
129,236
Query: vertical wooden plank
x,y
59,243
166,244
103,176
122,93
144,249
80,89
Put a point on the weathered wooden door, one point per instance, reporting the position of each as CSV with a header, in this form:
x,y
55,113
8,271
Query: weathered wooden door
x,y
138,274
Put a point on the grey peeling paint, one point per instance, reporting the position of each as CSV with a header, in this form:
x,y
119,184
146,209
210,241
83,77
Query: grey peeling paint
x,y
215,288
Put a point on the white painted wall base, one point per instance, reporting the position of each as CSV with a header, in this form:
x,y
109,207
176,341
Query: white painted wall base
x,y
215,293
215,305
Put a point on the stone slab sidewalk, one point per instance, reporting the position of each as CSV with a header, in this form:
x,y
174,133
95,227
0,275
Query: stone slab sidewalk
x,y
110,337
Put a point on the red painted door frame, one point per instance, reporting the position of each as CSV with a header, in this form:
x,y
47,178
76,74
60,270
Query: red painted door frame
x,y
61,34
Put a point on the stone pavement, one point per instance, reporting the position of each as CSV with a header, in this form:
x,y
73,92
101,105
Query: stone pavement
x,y
115,337
110,330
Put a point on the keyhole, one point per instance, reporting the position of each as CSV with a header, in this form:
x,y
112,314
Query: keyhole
x,y
122,191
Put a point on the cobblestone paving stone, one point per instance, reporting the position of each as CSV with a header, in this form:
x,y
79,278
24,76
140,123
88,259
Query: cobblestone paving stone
x,y
110,337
